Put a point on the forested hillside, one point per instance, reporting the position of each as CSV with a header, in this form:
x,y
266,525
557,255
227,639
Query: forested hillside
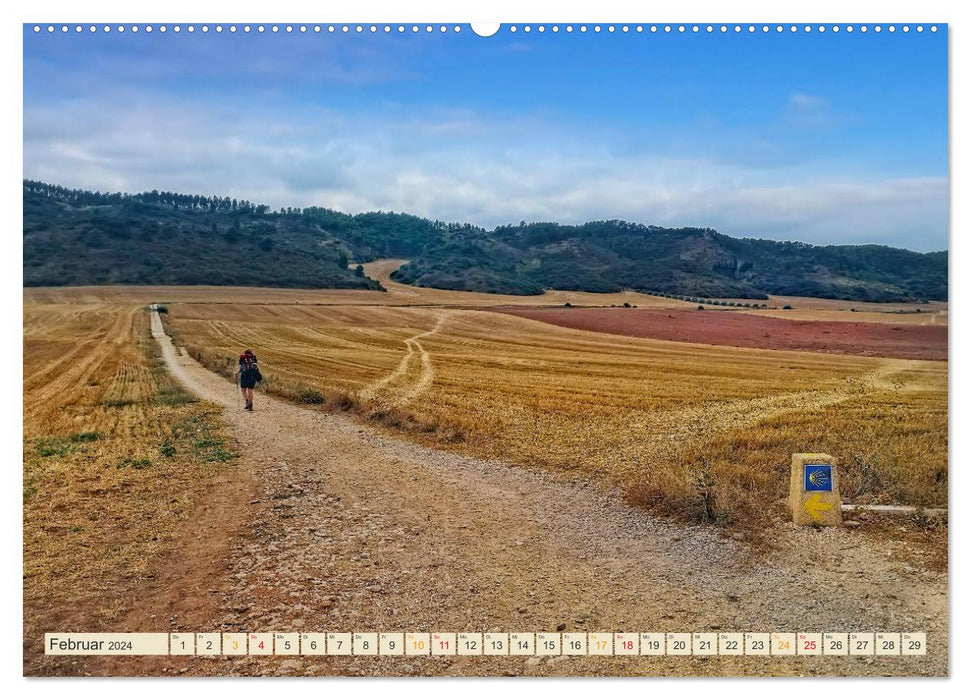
x,y
76,237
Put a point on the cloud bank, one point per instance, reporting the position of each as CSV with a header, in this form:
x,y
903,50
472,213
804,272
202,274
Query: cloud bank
x,y
462,166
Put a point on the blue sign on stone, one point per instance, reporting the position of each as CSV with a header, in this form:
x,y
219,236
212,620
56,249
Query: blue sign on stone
x,y
819,477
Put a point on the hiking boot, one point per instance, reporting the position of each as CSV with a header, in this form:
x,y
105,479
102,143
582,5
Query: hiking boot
x,y
249,405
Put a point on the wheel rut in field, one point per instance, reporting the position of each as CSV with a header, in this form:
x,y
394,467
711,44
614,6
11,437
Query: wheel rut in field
x,y
67,378
704,420
399,388
936,319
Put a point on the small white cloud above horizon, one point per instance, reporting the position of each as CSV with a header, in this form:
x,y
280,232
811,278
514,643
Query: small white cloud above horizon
x,y
807,111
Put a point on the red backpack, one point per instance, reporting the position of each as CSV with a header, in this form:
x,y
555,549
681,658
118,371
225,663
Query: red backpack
x,y
247,363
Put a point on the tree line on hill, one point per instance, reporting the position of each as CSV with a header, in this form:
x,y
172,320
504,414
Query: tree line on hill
x,y
78,237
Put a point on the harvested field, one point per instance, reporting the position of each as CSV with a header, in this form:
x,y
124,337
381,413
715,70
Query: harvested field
x,y
396,294
630,411
820,304
889,316
846,305
584,435
116,458
746,330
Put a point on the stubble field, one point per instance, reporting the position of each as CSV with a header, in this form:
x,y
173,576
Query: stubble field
x,y
693,431
116,456
131,487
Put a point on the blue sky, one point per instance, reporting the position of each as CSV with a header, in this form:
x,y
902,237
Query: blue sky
x,y
826,138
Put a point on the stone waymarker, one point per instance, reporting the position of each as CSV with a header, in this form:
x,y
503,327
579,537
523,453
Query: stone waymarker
x,y
814,494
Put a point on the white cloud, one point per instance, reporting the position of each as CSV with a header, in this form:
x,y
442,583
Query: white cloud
x,y
812,112
459,166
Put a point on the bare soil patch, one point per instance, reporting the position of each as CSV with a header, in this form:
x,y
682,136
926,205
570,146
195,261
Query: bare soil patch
x,y
749,331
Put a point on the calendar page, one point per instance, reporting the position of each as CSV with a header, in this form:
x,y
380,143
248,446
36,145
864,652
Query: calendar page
x,y
517,349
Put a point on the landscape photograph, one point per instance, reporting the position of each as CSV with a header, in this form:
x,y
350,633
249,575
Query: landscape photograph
x,y
445,350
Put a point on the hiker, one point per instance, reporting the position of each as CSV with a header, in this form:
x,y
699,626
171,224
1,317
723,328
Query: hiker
x,y
249,374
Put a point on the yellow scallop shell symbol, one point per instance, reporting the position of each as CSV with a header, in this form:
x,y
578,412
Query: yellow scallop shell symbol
x,y
818,478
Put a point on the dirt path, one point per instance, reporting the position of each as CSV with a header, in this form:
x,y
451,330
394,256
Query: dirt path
x,y
399,388
353,530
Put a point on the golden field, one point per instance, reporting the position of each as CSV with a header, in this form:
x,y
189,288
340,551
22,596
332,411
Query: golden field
x,y
690,430
396,295
116,455
928,315
693,431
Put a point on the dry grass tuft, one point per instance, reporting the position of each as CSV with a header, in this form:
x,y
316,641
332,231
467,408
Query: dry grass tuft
x,y
888,446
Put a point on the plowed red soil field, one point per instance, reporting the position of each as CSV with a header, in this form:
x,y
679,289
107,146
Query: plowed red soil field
x,y
749,331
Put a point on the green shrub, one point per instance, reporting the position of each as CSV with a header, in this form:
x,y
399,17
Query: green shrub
x,y
310,396
219,454
134,463
52,447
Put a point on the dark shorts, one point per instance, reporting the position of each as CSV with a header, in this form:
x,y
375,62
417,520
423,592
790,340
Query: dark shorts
x,y
247,380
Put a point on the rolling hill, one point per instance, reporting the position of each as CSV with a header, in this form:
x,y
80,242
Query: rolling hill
x,y
76,237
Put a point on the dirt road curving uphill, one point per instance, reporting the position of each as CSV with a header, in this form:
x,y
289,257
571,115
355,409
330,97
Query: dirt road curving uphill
x,y
355,531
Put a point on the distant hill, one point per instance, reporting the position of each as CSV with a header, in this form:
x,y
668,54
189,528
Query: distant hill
x,y
75,237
